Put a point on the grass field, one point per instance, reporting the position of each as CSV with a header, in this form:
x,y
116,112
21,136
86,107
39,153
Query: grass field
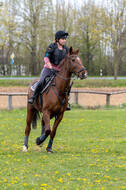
x,y
89,152
96,83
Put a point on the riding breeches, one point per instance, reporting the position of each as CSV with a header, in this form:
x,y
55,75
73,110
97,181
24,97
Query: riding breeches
x,y
44,73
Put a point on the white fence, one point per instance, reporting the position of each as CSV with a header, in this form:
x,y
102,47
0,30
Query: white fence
x,y
74,94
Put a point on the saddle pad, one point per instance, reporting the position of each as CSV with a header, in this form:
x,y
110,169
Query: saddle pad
x,y
46,85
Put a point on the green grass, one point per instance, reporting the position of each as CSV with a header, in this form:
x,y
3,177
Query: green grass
x,y
97,83
89,152
10,82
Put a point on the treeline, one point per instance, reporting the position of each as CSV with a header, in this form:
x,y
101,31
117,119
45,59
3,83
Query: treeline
x,y
27,27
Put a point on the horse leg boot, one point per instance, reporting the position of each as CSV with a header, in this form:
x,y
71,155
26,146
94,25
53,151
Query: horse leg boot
x,y
36,92
38,140
41,139
53,132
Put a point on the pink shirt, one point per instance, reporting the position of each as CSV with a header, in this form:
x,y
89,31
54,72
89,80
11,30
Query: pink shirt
x,y
46,60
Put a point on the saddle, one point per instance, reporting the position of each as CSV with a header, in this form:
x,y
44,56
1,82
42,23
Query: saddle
x,y
47,82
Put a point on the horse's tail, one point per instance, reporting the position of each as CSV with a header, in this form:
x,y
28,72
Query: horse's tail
x,y
35,118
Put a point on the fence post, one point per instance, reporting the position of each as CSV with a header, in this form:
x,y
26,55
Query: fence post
x,y
76,97
108,99
9,102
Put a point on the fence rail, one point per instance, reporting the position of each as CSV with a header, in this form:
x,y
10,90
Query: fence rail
x,y
76,92
10,107
108,94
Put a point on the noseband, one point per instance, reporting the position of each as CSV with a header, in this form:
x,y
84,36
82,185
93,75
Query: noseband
x,y
70,63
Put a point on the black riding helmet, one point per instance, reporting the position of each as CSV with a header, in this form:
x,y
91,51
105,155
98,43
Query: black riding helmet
x,y
61,34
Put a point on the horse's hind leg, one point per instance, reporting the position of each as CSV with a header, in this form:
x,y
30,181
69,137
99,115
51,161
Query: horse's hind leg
x,y
30,114
53,132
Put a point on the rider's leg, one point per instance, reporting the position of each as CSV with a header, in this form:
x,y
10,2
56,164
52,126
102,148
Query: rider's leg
x,y
68,106
36,92
44,73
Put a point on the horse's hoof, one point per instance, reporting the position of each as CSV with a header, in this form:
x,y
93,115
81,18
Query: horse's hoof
x,y
49,150
41,145
38,149
25,149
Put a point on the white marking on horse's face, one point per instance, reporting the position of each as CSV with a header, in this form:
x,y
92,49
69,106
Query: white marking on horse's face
x,y
78,58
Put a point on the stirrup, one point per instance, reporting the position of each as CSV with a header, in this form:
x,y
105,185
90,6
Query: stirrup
x,y
31,100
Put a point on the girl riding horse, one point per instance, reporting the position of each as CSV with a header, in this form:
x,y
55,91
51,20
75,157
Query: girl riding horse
x,y
54,54
55,99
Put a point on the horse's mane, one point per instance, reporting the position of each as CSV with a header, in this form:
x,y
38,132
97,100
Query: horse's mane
x,y
62,62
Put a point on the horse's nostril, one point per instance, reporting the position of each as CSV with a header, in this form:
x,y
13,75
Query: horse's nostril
x,y
83,75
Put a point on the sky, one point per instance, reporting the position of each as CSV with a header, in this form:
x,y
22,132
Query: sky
x,y
79,2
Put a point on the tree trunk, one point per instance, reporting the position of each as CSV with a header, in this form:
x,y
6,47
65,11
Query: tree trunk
x,y
116,59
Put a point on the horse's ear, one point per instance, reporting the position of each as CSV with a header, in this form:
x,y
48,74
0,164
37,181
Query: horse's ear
x,y
70,50
77,51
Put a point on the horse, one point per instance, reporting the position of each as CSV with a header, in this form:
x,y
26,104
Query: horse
x,y
54,100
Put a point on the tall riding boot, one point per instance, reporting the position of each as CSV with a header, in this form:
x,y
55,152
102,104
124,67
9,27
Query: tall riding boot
x,y
68,106
36,92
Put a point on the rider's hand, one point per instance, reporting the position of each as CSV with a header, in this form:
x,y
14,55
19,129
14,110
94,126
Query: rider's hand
x,y
53,70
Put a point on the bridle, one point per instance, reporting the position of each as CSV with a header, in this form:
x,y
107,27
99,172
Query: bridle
x,y
69,67
70,63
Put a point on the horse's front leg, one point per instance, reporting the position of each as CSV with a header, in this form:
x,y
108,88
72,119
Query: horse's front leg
x,y
53,132
39,139
45,128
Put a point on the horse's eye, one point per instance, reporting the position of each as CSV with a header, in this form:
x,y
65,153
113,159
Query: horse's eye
x,y
73,60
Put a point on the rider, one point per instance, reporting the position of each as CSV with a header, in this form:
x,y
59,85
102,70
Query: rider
x,y
54,54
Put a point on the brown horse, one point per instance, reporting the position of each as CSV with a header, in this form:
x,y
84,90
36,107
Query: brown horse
x,y
55,99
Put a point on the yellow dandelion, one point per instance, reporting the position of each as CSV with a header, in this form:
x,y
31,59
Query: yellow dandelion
x,y
17,178
43,185
84,179
28,160
60,180
36,175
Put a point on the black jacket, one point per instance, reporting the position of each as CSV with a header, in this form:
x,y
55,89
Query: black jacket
x,y
54,54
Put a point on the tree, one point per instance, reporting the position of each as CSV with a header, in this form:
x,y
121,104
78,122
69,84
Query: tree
x,y
117,27
8,38
90,32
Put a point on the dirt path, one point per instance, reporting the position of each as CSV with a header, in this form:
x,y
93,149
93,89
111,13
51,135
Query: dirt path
x,y
85,99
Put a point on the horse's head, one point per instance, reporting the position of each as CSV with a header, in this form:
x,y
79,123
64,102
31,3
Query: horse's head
x,y
75,64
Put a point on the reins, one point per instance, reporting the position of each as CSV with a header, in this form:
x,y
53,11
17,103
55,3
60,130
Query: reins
x,y
70,65
62,102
